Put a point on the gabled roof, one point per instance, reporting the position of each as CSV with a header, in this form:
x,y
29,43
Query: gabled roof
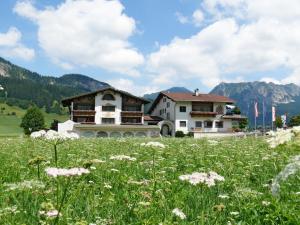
x,y
67,101
190,97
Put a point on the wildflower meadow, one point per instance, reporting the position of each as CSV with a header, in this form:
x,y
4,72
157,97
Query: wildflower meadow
x,y
149,181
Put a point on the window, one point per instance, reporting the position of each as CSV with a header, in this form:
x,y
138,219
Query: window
x,y
165,110
108,108
168,104
198,124
160,112
168,116
108,120
182,123
102,134
220,110
219,124
208,124
132,108
202,107
182,109
164,99
108,97
83,106
131,120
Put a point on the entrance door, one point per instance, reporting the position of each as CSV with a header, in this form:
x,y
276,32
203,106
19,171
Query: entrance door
x,y
165,130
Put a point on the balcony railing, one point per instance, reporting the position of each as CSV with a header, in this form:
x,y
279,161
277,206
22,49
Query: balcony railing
x,y
84,112
206,114
132,114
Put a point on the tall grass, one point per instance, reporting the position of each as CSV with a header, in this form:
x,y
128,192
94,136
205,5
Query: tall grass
x,y
148,189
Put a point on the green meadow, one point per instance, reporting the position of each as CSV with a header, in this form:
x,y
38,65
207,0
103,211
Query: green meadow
x,y
10,124
145,188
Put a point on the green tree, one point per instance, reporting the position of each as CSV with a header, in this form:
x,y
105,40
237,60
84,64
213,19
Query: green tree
x,y
278,122
33,120
236,110
243,123
295,121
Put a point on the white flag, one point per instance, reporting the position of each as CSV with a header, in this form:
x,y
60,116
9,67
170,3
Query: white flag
x,y
273,114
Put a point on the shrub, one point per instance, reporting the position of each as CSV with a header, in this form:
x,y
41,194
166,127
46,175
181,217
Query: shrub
x,y
179,134
190,134
33,120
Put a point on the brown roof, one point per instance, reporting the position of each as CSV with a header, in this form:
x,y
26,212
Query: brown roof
x,y
191,97
152,118
178,97
67,101
234,117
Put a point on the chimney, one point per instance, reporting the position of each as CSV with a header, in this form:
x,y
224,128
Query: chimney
x,y
196,92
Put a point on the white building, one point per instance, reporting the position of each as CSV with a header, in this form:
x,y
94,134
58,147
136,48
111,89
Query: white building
x,y
192,112
107,112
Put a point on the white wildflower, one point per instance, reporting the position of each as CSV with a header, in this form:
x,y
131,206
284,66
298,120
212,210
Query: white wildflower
x,y
107,186
280,137
26,184
55,172
290,169
223,196
205,178
38,134
265,203
234,213
213,142
179,213
154,144
50,214
114,170
54,135
122,157
144,203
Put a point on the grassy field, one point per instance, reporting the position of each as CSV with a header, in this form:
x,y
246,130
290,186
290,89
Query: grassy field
x,y
146,188
10,124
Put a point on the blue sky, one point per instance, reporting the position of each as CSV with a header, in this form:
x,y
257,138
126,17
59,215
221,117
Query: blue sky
x,y
149,45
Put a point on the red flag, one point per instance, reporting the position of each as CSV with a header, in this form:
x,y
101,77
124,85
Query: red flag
x,y
273,114
256,109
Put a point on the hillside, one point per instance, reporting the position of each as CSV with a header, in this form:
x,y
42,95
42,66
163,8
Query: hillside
x,y
11,116
24,87
286,98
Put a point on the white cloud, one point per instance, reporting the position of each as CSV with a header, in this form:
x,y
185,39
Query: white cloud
x,y
181,18
270,80
11,46
198,17
245,37
86,33
132,87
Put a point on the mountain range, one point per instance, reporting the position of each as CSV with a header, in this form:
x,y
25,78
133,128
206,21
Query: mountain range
x,y
24,87
286,98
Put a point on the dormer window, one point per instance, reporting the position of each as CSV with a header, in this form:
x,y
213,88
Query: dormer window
x,y
108,97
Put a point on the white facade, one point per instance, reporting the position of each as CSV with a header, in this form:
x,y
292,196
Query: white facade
x,y
123,116
99,102
185,122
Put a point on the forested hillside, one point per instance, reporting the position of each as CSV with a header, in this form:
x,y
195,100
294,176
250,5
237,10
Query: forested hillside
x,y
23,88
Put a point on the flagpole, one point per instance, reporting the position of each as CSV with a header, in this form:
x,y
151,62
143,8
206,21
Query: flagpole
x,y
264,117
273,109
255,115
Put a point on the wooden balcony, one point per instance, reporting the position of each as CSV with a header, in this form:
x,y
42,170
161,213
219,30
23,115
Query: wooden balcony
x,y
204,114
84,113
131,114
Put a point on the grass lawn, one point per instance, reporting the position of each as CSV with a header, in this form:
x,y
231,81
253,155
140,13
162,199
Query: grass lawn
x,y
10,125
145,188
